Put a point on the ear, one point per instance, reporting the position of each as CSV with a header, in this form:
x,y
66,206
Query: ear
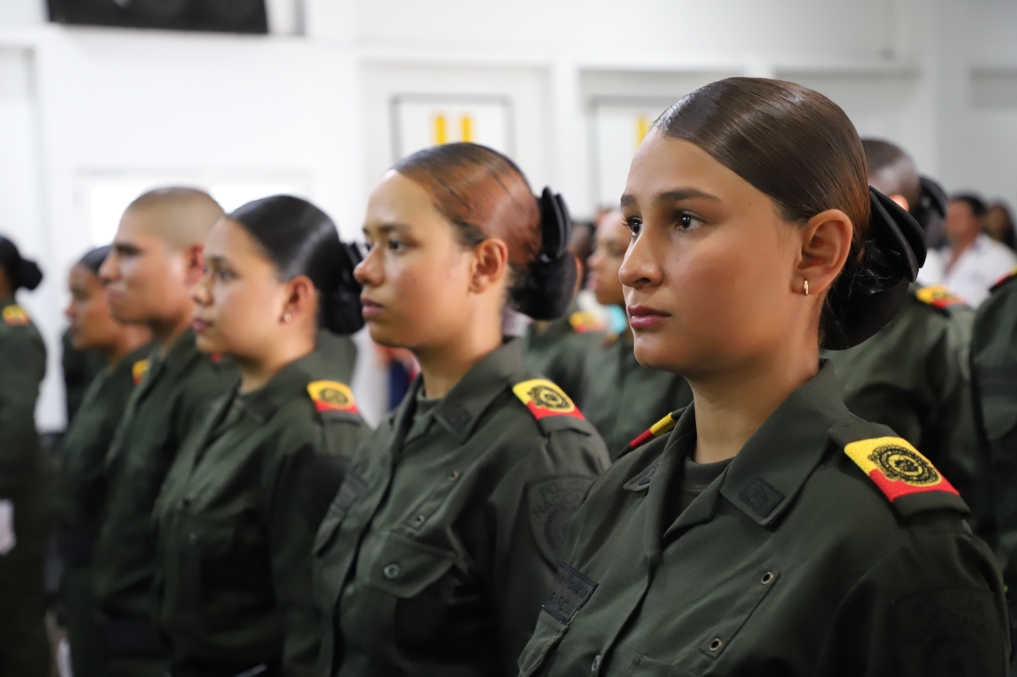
x,y
300,300
194,263
826,242
490,264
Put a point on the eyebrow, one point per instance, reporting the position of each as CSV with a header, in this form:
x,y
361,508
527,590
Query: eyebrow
x,y
676,195
386,228
218,259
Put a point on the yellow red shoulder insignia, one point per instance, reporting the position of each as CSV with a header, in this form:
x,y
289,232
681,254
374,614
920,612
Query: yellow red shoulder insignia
x,y
584,322
1006,278
897,468
15,316
543,398
332,396
139,370
661,427
938,296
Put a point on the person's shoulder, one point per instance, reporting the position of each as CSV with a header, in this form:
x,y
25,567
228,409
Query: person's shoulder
x,y
545,405
935,301
1005,285
15,322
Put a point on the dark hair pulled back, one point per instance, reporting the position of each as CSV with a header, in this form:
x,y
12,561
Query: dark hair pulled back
x,y
300,239
484,194
800,149
94,258
21,273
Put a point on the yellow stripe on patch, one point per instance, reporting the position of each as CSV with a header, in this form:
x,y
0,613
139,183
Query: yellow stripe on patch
x,y
331,396
15,316
896,467
138,370
543,398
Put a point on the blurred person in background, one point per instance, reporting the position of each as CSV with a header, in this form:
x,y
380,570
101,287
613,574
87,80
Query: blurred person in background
x,y
912,375
973,261
80,497
999,225
24,507
157,256
442,541
242,502
622,398
79,368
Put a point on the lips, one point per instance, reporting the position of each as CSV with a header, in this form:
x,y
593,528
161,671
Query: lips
x,y
371,308
645,317
199,325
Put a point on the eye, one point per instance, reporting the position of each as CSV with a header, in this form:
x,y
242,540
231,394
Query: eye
x,y
687,221
395,245
224,274
635,225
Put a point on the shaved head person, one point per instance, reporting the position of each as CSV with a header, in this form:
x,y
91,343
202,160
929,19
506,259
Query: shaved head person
x,y
157,257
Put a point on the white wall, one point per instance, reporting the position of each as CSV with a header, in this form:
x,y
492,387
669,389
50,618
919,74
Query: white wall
x,y
86,102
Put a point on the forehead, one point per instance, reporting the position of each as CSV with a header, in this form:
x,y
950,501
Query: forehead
x,y
81,276
663,163
396,199
138,227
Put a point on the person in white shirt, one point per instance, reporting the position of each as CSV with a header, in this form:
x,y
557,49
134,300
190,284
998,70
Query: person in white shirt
x,y
973,261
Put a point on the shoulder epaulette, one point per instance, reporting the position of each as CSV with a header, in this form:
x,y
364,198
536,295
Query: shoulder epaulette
x,y
1006,278
897,468
332,396
661,427
544,399
138,370
15,316
584,322
938,296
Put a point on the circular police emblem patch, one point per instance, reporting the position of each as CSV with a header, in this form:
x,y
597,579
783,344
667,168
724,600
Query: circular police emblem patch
x,y
334,396
904,465
549,398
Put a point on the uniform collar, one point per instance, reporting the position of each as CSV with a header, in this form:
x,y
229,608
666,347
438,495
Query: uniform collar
x,y
462,407
180,354
286,384
774,464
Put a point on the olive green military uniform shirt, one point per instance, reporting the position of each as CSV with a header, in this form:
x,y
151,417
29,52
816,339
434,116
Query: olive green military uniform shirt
x,y
558,349
24,649
80,368
81,501
914,377
442,541
172,400
792,562
236,520
994,360
623,398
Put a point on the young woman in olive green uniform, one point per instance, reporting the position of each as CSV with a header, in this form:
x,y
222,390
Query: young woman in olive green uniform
x,y
770,532
238,511
81,492
441,543
621,397
24,648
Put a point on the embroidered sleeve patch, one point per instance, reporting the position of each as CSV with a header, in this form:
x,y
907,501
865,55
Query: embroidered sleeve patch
x,y
332,396
15,316
543,398
139,370
897,468
938,296
661,427
552,503
583,322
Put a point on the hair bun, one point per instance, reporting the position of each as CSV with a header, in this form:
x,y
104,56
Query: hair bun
x,y
870,292
341,310
29,275
547,292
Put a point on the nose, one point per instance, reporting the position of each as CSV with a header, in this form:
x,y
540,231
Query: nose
x,y
110,268
200,293
368,271
640,266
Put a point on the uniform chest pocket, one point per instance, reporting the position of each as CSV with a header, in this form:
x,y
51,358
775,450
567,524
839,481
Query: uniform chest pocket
x,y
546,638
401,567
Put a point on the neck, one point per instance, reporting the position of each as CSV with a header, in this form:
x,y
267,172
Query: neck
x,y
255,372
442,367
731,406
166,331
131,339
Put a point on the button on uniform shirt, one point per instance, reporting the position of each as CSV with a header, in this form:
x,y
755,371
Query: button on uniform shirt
x,y
827,547
978,268
442,542
172,399
558,349
236,520
24,648
81,501
994,360
914,376
623,398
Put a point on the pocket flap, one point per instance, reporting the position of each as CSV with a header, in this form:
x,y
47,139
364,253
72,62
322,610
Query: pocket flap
x,y
403,567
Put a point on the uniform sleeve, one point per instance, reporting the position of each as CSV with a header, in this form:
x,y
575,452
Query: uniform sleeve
x,y
291,536
22,367
932,607
530,512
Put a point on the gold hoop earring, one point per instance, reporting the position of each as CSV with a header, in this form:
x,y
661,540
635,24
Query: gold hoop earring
x,y
806,287
287,318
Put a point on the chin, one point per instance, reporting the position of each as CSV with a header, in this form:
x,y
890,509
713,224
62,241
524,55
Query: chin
x,y
208,345
656,351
